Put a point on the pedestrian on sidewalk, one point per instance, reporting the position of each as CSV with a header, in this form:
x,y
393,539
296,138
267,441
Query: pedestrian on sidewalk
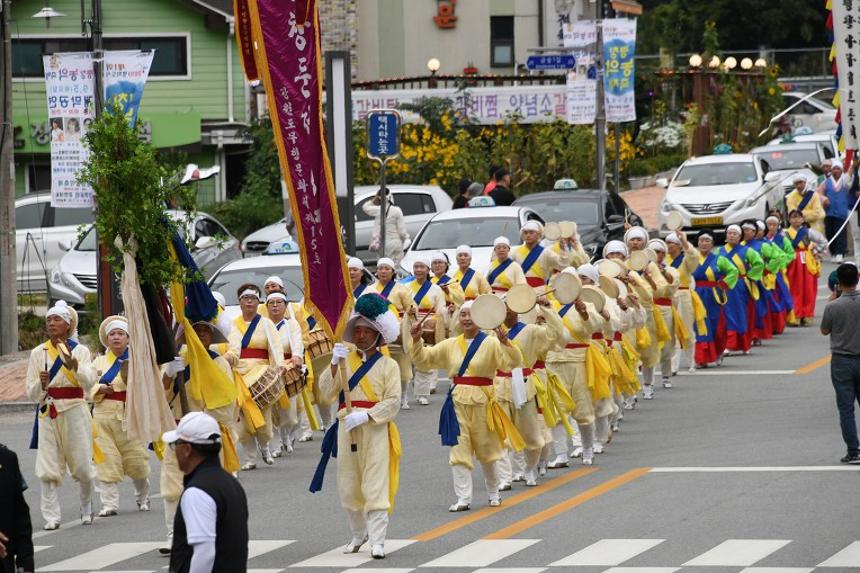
x,y
502,193
16,530
839,322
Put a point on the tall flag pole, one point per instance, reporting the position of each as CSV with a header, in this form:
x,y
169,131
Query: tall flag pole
x,y
285,40
843,19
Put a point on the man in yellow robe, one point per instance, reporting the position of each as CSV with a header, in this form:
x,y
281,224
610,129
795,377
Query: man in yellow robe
x,y
538,262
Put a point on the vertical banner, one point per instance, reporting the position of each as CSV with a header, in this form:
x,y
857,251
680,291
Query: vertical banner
x,y
70,89
286,37
846,45
619,49
244,38
581,92
125,75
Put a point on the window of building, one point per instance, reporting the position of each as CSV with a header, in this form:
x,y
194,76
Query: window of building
x,y
501,41
171,53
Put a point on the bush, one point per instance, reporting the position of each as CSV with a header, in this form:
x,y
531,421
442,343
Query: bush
x,y
249,211
653,165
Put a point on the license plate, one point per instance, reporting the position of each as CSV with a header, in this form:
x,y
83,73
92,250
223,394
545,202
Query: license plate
x,y
702,221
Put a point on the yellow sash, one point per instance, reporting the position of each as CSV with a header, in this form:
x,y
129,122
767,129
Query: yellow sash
x,y
699,313
643,338
231,457
395,448
631,358
253,416
555,402
309,408
660,328
681,332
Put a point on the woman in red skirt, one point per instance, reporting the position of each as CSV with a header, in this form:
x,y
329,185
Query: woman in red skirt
x,y
804,269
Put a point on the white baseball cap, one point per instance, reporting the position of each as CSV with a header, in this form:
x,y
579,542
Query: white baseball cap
x,y
195,428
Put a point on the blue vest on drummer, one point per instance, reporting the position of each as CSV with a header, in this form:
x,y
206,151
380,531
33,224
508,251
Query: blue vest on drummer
x,y
838,196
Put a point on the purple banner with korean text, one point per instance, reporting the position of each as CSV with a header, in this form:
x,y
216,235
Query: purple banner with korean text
x,y
846,45
286,37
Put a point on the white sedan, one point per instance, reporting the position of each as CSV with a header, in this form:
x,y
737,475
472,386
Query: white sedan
x,y
477,227
715,191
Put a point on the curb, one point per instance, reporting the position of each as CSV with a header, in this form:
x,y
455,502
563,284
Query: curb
x,y
11,407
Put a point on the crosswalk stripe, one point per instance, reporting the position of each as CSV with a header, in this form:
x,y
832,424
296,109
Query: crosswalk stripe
x,y
511,570
336,557
848,557
259,571
778,570
259,547
37,548
102,557
379,570
481,553
608,552
642,570
738,553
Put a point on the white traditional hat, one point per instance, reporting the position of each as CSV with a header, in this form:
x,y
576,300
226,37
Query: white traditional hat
x,y
439,256
614,247
464,249
673,238
657,245
531,226
636,232
68,314
836,164
589,271
421,259
501,241
274,279
110,324
798,177
735,228
355,263
386,262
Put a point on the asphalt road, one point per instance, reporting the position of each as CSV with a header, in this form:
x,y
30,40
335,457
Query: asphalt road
x,y
733,469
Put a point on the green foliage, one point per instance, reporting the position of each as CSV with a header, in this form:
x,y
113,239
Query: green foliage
x,y
259,203
132,189
656,164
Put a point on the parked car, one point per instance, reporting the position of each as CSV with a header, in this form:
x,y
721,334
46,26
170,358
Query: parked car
x,y
599,215
715,191
418,202
256,270
73,279
39,230
827,140
812,112
477,227
787,159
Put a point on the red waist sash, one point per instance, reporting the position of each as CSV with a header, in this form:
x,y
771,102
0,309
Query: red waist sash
x,y
663,301
597,336
535,282
63,393
259,353
118,396
503,374
575,346
357,404
539,365
473,381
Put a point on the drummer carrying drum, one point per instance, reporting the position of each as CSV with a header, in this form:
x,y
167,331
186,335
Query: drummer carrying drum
x,y
504,271
430,311
537,262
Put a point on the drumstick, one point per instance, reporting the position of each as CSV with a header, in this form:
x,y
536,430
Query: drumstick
x,y
420,322
344,384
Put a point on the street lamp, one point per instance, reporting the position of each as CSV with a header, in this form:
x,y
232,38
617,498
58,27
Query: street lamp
x,y
433,64
714,63
746,64
695,61
730,63
761,63
47,13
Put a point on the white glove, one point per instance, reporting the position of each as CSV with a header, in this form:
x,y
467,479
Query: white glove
x,y
175,367
354,420
338,352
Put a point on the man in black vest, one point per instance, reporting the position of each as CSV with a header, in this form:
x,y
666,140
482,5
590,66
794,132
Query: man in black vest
x,y
210,531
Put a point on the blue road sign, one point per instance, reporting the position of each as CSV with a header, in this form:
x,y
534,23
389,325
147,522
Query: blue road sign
x,y
551,62
383,134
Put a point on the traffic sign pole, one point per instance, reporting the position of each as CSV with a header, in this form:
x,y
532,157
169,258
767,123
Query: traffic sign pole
x,y
383,144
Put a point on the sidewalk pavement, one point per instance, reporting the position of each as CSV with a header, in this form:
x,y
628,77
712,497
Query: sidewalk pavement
x,y
13,367
645,202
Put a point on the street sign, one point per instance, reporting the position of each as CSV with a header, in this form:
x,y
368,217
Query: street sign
x,y
551,62
383,134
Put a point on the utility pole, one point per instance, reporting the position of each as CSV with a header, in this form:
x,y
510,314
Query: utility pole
x,y
600,116
8,287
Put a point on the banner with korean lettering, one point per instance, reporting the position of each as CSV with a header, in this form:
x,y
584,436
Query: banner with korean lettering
x,y
70,89
581,88
125,74
619,49
846,45
286,38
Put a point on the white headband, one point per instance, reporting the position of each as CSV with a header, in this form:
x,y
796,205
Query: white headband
x,y
636,233
673,238
750,226
501,241
439,256
706,236
531,226
773,218
421,260
836,164
589,271
760,225
657,245
276,296
464,250
733,228
798,177
276,280
466,305
615,247
117,325
385,262
355,263
249,292
60,309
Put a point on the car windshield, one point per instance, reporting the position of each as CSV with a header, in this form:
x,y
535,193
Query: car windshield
x,y
789,158
715,174
88,241
227,282
472,231
580,210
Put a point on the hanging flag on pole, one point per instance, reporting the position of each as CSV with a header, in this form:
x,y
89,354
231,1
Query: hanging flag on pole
x,y
842,23
286,40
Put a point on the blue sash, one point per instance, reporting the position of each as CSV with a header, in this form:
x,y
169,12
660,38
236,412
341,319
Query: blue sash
x,y
532,258
329,443
443,280
246,340
358,290
110,375
419,296
55,369
467,276
801,235
807,197
387,290
515,329
494,274
677,261
449,426
312,322
563,310
280,324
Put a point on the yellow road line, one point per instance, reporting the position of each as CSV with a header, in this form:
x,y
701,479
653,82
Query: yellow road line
x,y
560,508
813,366
528,494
